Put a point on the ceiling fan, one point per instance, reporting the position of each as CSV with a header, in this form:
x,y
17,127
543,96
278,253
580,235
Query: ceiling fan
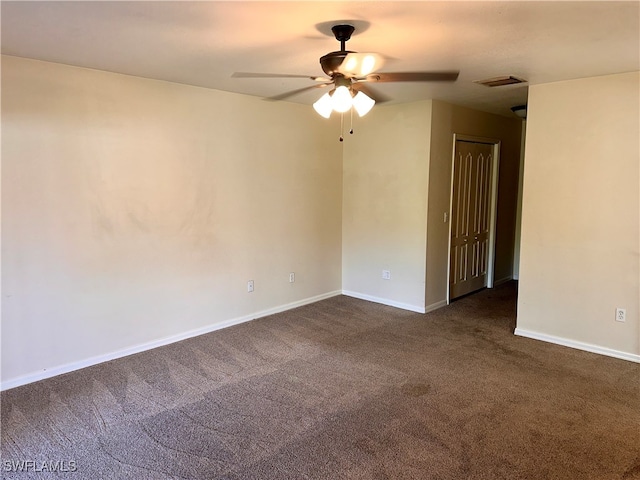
x,y
350,74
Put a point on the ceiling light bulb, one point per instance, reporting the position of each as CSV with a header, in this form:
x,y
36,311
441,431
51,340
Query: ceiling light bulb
x,y
363,103
341,100
324,105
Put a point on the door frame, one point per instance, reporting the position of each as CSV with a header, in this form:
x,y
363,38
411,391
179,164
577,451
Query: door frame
x,y
495,168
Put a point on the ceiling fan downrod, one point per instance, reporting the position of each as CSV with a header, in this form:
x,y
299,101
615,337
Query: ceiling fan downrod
x,y
343,34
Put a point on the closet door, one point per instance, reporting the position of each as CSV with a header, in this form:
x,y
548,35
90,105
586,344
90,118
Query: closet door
x,y
470,217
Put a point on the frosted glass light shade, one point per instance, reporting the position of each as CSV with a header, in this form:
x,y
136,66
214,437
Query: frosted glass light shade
x,y
363,103
323,105
341,100
520,110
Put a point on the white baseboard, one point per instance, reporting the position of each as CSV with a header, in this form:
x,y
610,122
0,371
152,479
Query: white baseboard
x,y
631,357
435,306
70,367
384,301
500,281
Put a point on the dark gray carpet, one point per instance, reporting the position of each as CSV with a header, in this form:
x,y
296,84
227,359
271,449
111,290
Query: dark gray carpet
x,y
341,389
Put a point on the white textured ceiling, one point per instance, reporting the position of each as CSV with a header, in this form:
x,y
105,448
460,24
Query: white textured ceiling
x,y
203,43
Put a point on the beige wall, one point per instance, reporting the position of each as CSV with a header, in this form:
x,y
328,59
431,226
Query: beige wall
x,y
448,120
136,210
518,233
580,243
385,175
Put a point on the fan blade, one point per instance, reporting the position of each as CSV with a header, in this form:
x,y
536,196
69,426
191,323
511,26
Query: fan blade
x,y
450,76
370,92
282,96
277,75
360,64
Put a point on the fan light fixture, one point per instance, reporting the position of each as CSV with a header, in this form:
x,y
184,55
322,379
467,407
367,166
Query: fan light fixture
x,y
520,111
323,106
363,103
341,100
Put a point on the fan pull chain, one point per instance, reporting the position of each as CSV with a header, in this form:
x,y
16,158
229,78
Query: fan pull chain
x,y
342,127
351,130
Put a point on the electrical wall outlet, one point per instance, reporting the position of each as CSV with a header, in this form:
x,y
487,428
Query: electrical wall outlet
x,y
292,277
386,274
250,286
621,315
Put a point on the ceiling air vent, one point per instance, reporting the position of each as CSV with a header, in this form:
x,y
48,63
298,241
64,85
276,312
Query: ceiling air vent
x,y
500,81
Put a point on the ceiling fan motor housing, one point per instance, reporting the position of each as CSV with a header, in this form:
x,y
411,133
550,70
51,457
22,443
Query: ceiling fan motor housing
x,y
332,61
